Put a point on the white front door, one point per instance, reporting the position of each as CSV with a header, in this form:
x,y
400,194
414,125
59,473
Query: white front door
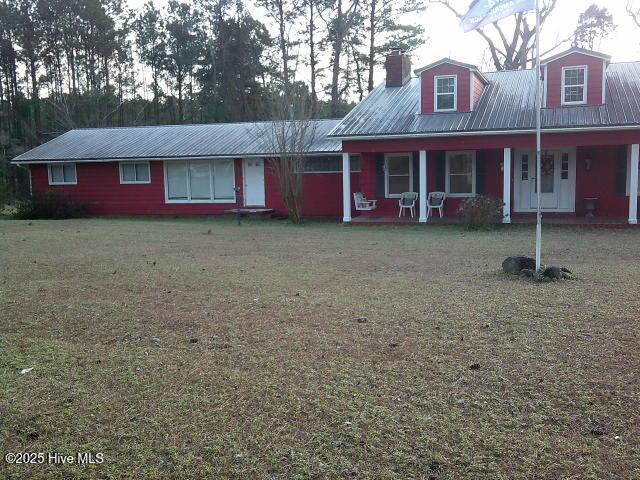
x,y
253,173
558,180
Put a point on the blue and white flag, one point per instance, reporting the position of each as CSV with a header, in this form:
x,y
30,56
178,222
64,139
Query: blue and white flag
x,y
484,12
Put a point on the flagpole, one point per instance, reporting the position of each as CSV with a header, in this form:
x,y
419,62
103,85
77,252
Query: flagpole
x,y
538,142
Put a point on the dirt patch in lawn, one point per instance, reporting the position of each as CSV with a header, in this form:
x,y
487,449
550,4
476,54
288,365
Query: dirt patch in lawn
x,y
179,353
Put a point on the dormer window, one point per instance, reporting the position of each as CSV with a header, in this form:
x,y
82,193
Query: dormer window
x,y
445,93
574,85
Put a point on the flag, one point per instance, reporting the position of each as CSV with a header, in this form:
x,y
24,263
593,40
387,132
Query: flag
x,y
483,12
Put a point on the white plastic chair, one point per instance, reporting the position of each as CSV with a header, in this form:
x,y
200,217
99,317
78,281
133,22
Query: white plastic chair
x,y
435,200
408,202
362,203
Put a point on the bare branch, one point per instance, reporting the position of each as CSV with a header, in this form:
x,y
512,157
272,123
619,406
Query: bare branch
x,y
289,138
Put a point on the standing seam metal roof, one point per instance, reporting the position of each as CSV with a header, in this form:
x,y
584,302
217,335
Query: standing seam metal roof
x,y
508,103
172,141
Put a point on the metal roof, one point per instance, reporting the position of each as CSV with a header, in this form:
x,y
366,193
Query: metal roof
x,y
507,104
171,141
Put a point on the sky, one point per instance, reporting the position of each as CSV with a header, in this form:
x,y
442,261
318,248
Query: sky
x,y
445,39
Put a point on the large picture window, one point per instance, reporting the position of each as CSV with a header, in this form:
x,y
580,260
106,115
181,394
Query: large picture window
x,y
200,181
134,172
62,174
461,174
445,89
574,85
398,174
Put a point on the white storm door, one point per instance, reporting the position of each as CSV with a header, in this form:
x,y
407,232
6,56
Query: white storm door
x,y
253,169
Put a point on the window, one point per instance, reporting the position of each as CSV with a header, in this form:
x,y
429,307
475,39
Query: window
x,y
355,163
398,174
134,172
574,85
61,174
323,164
332,164
445,90
525,167
564,167
461,174
200,181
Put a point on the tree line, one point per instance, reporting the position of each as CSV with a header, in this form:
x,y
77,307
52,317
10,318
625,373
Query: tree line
x,y
97,63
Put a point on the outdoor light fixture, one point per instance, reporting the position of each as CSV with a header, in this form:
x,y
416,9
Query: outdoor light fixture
x,y
587,163
502,166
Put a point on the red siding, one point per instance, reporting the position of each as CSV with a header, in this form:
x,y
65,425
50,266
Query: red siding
x,y
478,89
599,182
549,140
426,86
100,190
322,193
595,68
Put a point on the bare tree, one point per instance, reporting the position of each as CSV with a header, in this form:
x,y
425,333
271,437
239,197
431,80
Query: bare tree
x,y
634,12
510,50
289,137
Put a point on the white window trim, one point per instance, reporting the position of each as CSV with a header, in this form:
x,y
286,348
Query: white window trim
x,y
435,93
584,90
75,172
449,154
126,182
387,156
187,162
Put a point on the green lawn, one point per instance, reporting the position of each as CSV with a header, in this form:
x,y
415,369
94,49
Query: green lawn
x,y
179,353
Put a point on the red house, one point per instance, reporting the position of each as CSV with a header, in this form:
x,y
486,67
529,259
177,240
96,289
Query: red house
x,y
450,128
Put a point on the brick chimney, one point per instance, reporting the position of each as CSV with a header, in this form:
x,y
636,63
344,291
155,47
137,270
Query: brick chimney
x,y
398,66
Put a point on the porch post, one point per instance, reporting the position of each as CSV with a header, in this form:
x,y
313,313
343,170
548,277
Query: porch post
x,y
423,187
506,186
633,184
346,187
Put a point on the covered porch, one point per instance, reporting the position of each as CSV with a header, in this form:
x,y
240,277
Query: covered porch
x,y
586,180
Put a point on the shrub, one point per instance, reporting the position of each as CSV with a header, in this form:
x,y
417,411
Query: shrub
x,y
480,212
50,205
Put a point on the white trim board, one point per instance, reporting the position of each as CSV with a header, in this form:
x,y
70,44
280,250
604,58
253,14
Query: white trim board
x,y
447,179
487,133
517,178
585,85
386,172
436,94
62,164
229,201
135,182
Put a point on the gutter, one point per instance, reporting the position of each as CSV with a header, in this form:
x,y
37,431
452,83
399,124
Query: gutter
x,y
482,133
161,159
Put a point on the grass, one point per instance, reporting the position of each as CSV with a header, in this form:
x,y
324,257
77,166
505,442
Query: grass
x,y
235,354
